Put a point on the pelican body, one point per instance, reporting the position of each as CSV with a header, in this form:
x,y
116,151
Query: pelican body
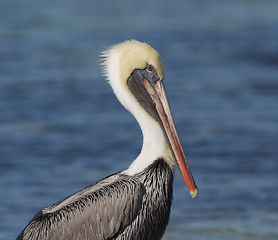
x,y
134,203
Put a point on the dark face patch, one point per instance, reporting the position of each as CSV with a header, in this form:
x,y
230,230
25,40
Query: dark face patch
x,y
135,84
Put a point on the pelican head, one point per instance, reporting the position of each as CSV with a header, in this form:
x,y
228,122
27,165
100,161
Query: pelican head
x,y
135,73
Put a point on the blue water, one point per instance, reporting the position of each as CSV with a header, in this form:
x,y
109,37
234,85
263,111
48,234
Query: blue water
x,y
61,127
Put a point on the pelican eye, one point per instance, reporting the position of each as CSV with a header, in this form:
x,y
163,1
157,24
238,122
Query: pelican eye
x,y
150,68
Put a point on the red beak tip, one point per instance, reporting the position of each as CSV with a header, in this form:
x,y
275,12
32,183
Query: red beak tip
x,y
194,193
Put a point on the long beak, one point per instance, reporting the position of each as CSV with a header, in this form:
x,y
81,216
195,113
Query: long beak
x,y
158,95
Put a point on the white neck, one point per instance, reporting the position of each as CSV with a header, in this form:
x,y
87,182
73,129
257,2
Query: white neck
x,y
155,145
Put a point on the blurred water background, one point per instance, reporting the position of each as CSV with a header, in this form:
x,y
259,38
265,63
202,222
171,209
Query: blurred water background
x,y
62,128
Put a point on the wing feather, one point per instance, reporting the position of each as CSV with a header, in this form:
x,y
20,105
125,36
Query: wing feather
x,y
98,211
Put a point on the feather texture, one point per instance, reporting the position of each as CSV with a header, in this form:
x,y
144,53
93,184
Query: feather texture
x,y
117,207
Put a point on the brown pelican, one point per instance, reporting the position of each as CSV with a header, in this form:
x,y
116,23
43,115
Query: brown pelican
x,y
134,203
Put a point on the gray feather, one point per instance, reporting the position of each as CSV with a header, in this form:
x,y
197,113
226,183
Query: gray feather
x,y
96,212
118,207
